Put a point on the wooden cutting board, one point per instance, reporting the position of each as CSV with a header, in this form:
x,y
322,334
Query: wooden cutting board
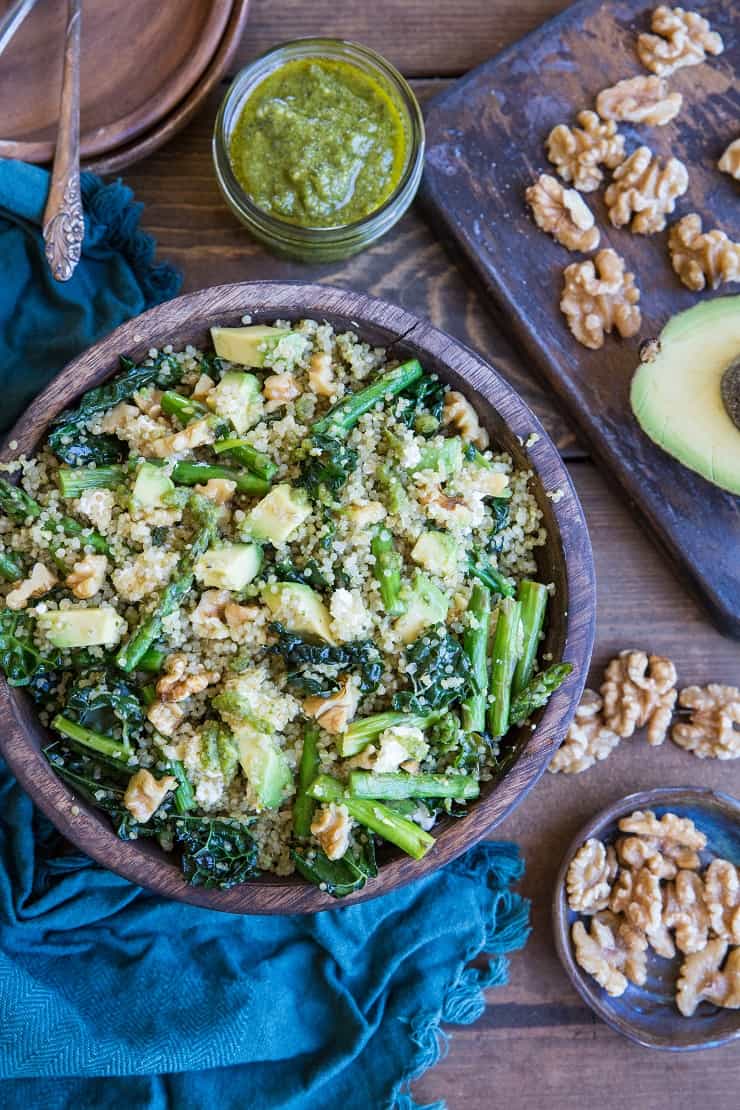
x,y
485,145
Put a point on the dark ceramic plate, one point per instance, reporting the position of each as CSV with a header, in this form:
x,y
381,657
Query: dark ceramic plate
x,y
648,1014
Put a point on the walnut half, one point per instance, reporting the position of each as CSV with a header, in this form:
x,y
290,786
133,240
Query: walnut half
x,y
730,160
680,39
722,899
562,213
676,839
702,258
639,100
703,979
639,690
613,952
589,877
578,152
643,191
586,741
599,296
711,731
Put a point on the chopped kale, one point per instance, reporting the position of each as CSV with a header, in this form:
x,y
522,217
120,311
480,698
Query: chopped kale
x,y
324,475
303,658
215,852
106,703
21,661
340,877
440,673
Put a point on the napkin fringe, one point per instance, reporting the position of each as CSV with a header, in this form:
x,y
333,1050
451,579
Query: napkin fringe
x,y
111,206
507,930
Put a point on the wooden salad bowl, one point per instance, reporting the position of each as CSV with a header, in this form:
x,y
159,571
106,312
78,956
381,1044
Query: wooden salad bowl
x,y
566,561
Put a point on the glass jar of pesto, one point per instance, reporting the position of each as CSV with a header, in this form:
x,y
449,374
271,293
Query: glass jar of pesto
x,y
319,148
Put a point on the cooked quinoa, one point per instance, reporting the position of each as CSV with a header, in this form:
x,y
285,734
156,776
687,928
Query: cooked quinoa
x,y
247,630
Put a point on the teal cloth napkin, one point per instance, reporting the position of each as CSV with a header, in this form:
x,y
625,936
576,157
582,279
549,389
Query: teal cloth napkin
x,y
111,996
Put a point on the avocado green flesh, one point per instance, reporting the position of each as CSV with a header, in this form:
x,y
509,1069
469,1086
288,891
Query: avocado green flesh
x,y
676,396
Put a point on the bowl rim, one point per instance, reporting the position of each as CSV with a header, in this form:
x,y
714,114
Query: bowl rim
x,y
85,826
588,989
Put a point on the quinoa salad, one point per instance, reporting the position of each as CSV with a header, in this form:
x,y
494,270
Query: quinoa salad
x,y
276,601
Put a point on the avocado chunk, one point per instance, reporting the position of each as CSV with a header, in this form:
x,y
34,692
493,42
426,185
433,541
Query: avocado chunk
x,y
229,566
264,765
248,345
238,399
426,605
299,608
437,552
153,488
278,514
77,628
676,392
443,455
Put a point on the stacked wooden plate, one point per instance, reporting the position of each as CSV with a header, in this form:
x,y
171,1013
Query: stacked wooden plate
x,y
145,70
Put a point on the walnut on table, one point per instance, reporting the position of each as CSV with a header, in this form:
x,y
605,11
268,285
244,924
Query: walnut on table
x,y
702,258
730,160
685,912
703,979
639,690
711,731
644,190
578,152
639,100
599,296
586,741
676,840
680,39
562,213
722,899
589,877
613,952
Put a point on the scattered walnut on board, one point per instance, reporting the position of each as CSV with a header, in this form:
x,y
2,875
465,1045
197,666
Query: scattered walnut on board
x,y
679,38
702,978
730,160
712,730
686,912
589,877
586,741
722,899
639,100
675,838
613,952
598,297
644,190
639,690
579,152
702,258
562,213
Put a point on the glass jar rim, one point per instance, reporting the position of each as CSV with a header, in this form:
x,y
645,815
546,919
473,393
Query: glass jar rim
x,y
244,83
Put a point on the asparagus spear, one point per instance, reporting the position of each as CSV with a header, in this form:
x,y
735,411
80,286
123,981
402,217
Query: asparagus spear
x,y
182,408
152,660
176,589
95,741
16,504
361,732
342,418
10,569
475,646
393,786
396,496
194,473
481,569
74,480
303,806
184,796
537,692
375,816
243,452
387,571
503,660
533,599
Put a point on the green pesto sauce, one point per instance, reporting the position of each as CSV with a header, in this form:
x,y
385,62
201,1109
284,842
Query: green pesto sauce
x,y
319,144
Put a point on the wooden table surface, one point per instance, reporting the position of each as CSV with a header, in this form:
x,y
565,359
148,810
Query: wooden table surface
x,y
536,1044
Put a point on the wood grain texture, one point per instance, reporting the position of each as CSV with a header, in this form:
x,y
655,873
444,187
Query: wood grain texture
x,y
485,145
185,212
138,62
422,38
564,561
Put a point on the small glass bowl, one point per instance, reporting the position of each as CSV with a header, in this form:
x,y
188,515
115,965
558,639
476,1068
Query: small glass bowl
x,y
319,244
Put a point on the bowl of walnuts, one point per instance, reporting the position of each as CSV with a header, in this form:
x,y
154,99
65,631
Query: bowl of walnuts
x,y
646,916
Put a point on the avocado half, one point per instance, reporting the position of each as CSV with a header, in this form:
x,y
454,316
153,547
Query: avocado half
x,y
687,386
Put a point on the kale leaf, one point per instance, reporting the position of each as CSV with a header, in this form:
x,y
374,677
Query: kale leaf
x,y
309,574
21,661
99,450
216,852
440,674
105,702
324,475
303,655
425,396
340,877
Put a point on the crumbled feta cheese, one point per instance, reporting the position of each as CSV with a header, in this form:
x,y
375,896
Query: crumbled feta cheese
x,y
97,506
350,618
397,745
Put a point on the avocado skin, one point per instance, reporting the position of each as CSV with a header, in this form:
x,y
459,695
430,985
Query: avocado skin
x,y
676,394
